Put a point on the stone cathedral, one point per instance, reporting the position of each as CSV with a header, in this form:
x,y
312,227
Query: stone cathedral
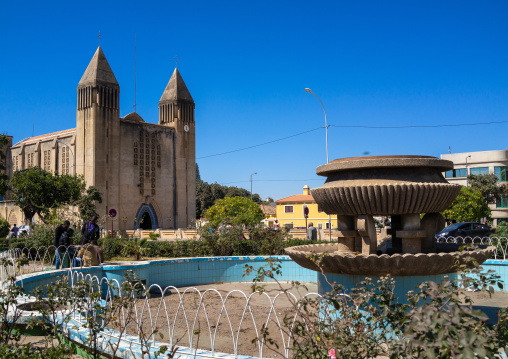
x,y
145,171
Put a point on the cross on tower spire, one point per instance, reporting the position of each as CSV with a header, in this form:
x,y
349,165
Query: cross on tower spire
x,y
176,61
99,35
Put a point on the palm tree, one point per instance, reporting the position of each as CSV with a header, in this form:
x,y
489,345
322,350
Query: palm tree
x,y
135,247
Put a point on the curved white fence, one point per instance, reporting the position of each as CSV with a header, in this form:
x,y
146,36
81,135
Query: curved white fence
x,y
188,322
501,243
202,323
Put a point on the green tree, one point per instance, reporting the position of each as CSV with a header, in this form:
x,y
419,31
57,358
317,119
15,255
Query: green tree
x,y
4,228
488,186
39,192
198,176
4,178
234,211
204,198
208,194
469,206
135,247
86,204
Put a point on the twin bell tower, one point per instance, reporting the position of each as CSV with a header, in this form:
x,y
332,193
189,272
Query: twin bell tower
x,y
146,172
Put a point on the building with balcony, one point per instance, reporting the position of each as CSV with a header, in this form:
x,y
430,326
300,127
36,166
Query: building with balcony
x,y
478,163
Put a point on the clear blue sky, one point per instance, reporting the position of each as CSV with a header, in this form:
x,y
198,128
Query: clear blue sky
x,y
373,63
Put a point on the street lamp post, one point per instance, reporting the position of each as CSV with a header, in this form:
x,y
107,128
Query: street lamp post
x,y
467,182
255,173
326,121
327,159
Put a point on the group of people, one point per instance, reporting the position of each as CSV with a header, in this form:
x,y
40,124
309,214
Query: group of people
x,y
90,253
311,230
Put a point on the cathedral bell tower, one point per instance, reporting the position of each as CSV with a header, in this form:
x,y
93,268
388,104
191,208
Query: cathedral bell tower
x,y
176,110
98,129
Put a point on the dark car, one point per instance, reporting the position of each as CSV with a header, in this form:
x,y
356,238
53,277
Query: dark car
x,y
468,229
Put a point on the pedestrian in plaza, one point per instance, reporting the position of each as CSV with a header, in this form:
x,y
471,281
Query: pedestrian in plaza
x,y
90,230
100,253
15,231
311,232
65,251
276,225
88,253
56,242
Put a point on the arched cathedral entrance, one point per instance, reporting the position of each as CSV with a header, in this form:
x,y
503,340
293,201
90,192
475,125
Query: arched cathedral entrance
x,y
146,218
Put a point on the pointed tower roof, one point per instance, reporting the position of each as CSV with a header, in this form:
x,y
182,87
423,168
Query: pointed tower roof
x,y
176,89
98,71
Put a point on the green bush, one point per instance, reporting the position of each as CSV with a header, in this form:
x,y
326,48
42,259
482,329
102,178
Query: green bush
x,y
228,242
4,228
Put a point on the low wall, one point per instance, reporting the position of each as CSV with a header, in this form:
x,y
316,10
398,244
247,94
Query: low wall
x,y
181,272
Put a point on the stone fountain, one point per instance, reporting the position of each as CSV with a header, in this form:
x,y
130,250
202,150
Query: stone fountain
x,y
409,189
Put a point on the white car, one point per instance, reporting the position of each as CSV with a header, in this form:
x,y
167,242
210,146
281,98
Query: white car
x,y
24,230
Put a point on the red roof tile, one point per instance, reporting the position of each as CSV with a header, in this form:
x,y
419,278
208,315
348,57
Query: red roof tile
x,y
297,198
268,210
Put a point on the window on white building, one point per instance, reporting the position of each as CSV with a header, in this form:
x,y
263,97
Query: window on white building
x,y
501,173
459,172
479,171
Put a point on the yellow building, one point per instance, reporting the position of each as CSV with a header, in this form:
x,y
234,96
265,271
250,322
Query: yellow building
x,y
290,211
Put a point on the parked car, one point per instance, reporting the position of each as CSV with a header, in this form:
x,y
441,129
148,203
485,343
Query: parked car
x,y
467,229
24,230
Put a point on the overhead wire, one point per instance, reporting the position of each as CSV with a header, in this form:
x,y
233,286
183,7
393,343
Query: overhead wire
x,y
419,126
278,180
261,144
351,126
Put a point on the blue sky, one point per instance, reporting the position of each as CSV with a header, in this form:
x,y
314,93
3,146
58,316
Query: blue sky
x,y
372,63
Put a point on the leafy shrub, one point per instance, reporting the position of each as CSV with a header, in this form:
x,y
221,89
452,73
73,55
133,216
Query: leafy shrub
x,y
469,206
228,242
436,321
134,247
4,228
234,211
111,247
154,236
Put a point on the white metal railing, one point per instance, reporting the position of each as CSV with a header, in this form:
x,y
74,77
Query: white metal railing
x,y
501,243
188,321
211,320
206,322
43,258
38,259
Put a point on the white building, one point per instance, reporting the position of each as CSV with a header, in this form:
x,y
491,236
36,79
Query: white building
x,y
477,163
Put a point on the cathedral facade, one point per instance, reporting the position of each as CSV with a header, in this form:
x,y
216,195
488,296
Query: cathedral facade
x,y
146,172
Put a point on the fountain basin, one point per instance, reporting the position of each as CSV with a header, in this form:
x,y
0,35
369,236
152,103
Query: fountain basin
x,y
420,264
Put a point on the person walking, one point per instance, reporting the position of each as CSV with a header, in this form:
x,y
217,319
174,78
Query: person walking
x,y
276,225
56,242
311,232
15,231
65,251
90,230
